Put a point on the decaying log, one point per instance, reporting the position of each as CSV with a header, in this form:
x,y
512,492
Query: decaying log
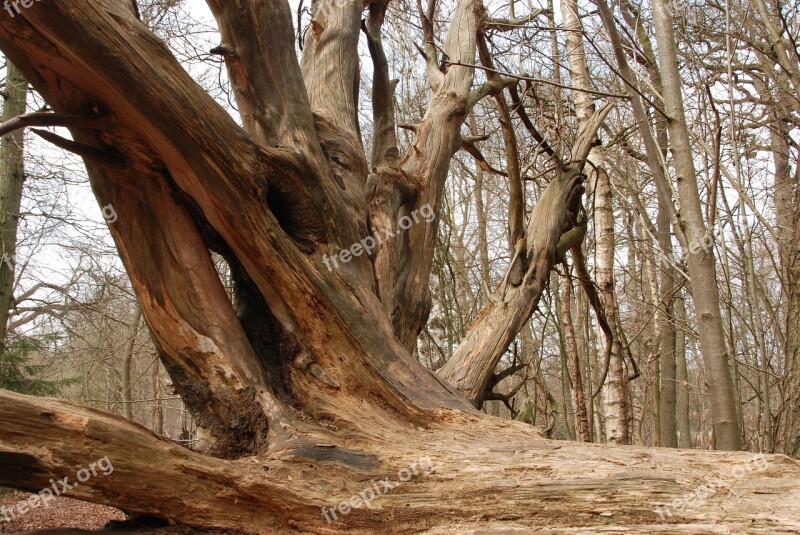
x,y
472,473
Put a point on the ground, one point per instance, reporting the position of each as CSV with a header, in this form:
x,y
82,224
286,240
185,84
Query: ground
x,y
64,516
60,513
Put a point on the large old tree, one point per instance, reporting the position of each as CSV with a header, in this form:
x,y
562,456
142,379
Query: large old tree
x,y
305,378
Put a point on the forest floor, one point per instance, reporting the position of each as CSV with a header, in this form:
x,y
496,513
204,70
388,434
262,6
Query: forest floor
x,y
60,513
64,516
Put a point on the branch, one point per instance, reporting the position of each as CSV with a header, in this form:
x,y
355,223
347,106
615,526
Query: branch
x,y
48,439
518,106
489,88
516,202
49,119
265,74
508,372
384,141
435,74
594,299
330,66
106,157
588,134
469,146
539,80
508,24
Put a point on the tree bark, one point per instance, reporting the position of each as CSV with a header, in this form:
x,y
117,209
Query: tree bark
x,y
127,363
632,486
787,211
305,377
616,399
705,294
682,378
12,178
510,307
579,400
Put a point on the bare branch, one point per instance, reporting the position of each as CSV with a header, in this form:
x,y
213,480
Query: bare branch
x,y
49,119
435,75
508,24
384,141
539,80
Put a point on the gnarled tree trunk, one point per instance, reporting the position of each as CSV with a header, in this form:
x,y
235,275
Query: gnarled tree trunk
x,y
305,378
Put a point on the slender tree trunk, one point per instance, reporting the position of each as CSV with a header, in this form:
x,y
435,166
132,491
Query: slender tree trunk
x,y
667,334
616,401
481,212
705,293
617,413
787,210
127,363
158,404
579,400
682,377
12,177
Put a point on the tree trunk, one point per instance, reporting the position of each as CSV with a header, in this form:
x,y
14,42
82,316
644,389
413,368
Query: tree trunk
x,y
667,333
787,210
616,394
682,377
705,294
551,221
396,486
510,307
579,400
12,177
127,362
616,399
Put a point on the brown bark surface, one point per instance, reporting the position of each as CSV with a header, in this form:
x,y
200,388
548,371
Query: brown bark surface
x,y
485,474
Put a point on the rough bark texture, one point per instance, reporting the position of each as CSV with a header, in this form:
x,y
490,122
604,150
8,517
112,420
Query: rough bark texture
x,y
496,476
203,182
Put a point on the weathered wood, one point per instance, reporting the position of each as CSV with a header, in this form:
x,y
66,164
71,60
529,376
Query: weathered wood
x,y
488,473
489,335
